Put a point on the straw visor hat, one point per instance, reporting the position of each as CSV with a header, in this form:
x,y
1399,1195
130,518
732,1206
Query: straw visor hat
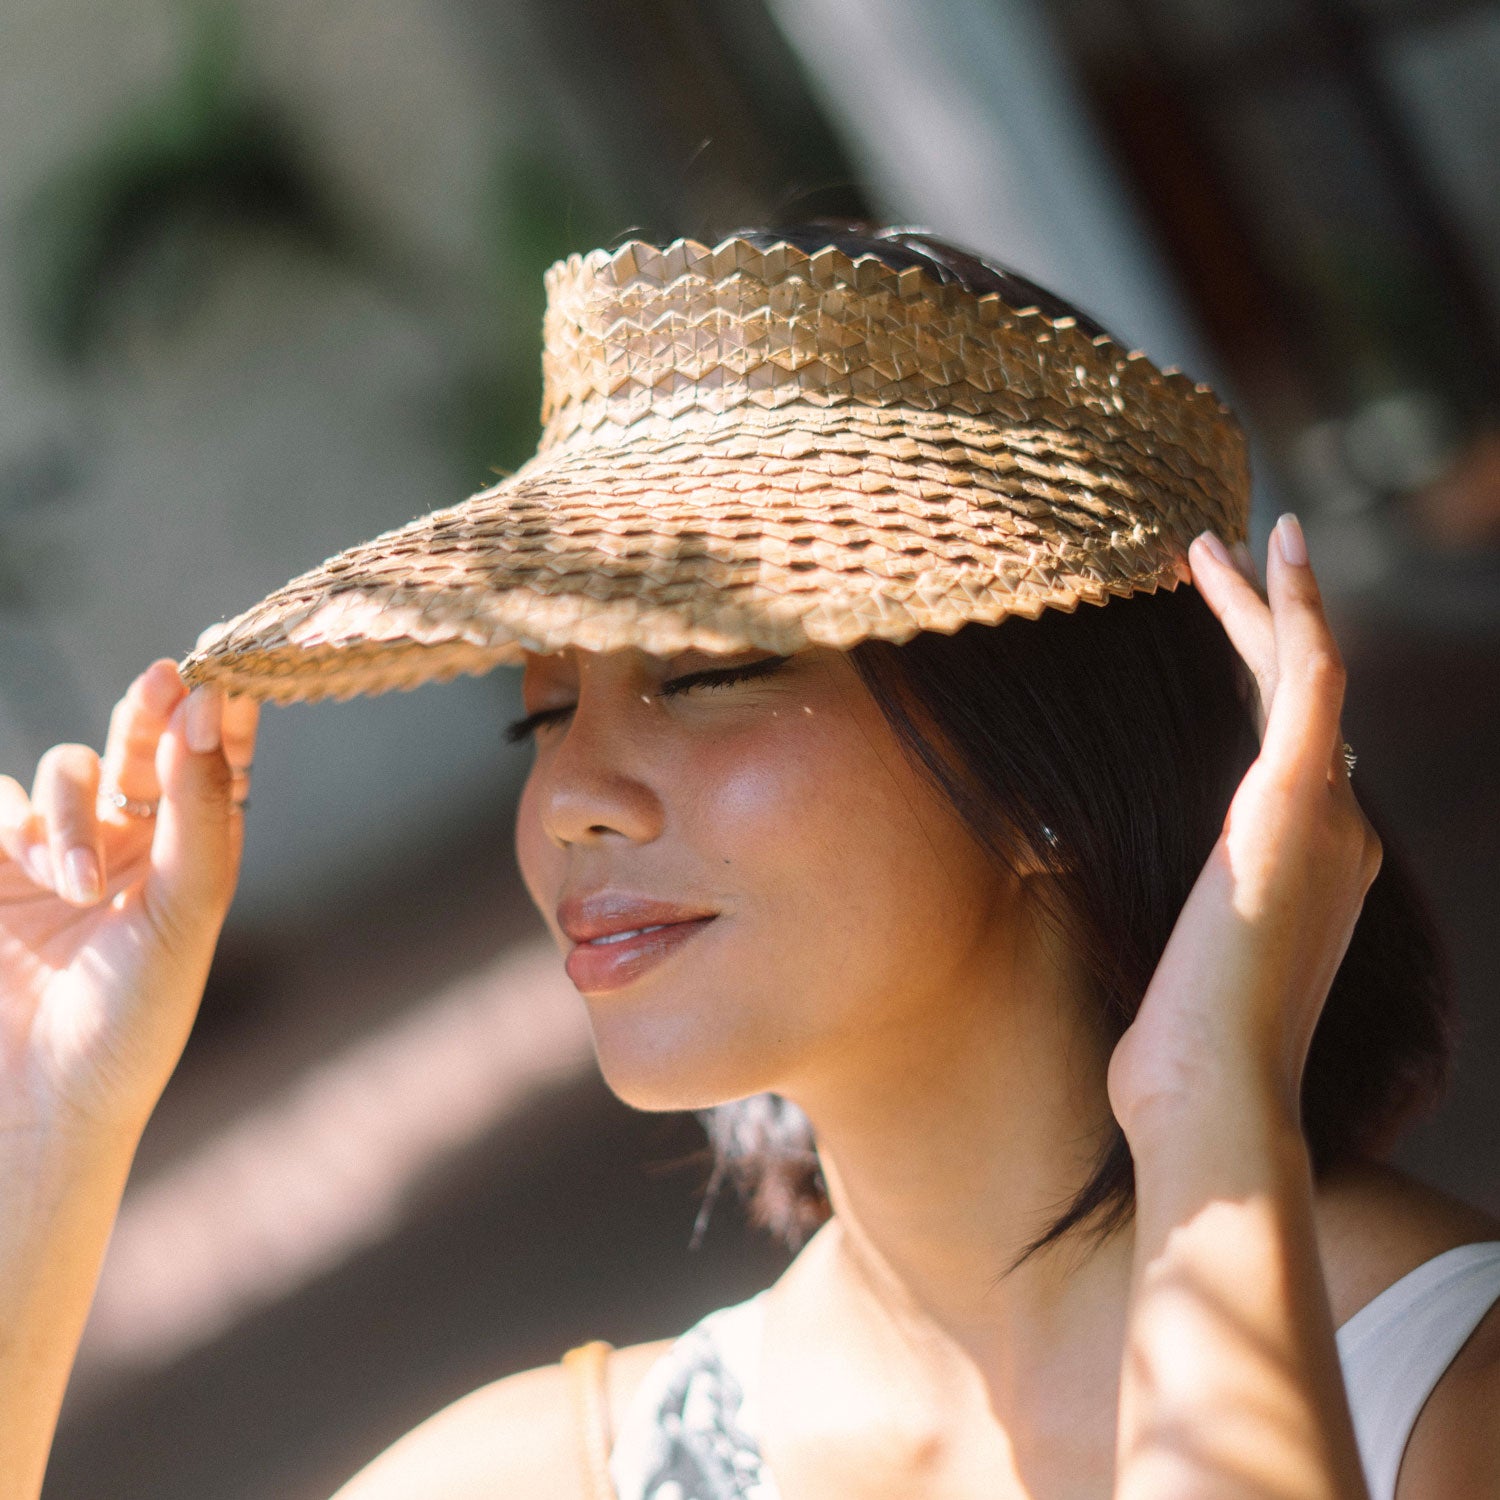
x,y
761,447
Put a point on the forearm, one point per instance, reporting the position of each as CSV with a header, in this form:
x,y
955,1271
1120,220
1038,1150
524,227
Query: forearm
x,y
1231,1386
55,1227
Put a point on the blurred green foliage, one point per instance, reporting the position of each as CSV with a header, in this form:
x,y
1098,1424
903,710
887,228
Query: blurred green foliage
x,y
202,151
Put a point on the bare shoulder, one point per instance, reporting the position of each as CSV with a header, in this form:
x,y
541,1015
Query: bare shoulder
x,y
516,1437
1376,1224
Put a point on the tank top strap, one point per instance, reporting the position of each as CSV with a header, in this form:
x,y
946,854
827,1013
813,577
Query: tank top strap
x,y
1395,1349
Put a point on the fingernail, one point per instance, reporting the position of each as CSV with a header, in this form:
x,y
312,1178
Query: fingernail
x,y
203,711
1216,547
1244,560
81,874
1290,539
39,865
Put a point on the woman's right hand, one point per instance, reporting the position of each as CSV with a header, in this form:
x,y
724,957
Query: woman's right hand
x,y
100,977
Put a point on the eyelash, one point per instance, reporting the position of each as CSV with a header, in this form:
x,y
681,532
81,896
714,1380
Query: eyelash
x,y
709,677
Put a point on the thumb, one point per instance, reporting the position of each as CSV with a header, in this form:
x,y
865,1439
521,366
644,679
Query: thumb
x,y
194,851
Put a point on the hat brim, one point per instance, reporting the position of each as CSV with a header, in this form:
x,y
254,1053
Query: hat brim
x,y
775,529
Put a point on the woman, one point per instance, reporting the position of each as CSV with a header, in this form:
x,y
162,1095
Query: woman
x,y
1034,926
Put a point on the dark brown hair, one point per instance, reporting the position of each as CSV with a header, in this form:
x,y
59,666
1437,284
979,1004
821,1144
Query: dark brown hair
x,y
1122,732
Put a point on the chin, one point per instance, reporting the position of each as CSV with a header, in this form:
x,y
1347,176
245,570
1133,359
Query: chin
x,y
666,1065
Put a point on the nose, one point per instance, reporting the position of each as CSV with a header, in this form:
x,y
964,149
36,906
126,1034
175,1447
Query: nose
x,y
593,786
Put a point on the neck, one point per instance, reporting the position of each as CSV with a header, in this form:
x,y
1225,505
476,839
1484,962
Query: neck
x,y
947,1154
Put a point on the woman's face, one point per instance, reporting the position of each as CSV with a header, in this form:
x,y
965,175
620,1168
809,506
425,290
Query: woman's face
x,y
751,882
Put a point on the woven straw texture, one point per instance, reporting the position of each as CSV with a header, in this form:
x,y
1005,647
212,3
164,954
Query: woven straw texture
x,y
746,448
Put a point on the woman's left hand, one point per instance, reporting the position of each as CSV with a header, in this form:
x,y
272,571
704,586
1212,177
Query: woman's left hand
x,y
1234,1000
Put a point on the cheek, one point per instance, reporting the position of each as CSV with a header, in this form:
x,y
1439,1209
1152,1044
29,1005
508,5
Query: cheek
x,y
855,880
538,858
769,805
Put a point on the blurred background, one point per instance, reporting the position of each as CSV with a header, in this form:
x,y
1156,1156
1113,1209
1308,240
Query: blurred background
x,y
271,283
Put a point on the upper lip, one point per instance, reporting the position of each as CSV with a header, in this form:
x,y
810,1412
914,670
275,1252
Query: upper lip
x,y
600,914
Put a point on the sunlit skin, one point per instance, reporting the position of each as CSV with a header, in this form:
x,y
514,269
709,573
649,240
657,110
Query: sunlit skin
x,y
870,961
859,925
856,951
873,964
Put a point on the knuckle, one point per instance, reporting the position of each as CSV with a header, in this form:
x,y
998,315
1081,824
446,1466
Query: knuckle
x,y
68,758
1354,846
1324,669
209,791
65,771
51,761
138,743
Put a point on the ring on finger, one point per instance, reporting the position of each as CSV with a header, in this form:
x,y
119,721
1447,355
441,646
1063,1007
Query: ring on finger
x,y
132,807
1349,759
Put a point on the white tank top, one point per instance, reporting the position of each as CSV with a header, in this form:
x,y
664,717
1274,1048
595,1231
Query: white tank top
x,y
690,1431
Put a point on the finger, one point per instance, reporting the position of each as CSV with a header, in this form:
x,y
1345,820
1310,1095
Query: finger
x,y
1302,732
135,727
241,719
193,852
65,797
23,837
1244,562
1245,616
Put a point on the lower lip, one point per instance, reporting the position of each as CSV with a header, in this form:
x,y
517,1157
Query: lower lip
x,y
597,967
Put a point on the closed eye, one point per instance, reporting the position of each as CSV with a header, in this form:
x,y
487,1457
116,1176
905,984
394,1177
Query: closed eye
x,y
713,677
707,677
523,729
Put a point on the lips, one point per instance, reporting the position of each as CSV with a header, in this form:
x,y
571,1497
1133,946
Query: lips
x,y
617,936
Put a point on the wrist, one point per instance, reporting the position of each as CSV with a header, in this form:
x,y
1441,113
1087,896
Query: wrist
x,y
43,1174
1223,1174
1233,1115
67,1149
1179,1086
